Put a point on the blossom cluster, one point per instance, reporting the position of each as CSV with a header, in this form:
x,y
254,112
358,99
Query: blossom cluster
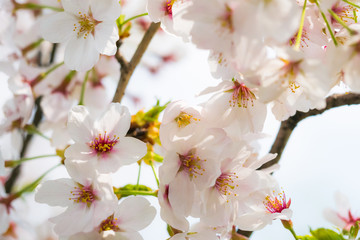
x,y
62,57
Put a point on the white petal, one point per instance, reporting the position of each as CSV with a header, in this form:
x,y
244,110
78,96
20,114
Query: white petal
x,y
4,219
55,192
64,23
115,120
181,194
125,236
81,54
106,35
135,214
169,168
105,10
129,150
80,124
76,6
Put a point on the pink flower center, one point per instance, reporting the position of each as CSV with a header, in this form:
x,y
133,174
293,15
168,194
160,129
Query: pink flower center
x,y
225,184
345,12
350,220
110,223
103,144
303,41
83,194
192,164
242,96
86,25
276,204
168,7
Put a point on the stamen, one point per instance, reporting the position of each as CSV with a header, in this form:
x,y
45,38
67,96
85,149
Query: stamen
x,y
82,194
103,144
192,164
110,223
242,96
225,184
168,7
184,119
290,70
276,204
86,25
227,18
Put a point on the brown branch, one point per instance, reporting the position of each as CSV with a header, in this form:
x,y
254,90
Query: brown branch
x,y
289,125
127,68
17,170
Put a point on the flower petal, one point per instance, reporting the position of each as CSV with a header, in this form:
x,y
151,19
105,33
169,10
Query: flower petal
x,y
76,6
80,124
81,54
105,10
135,213
106,35
63,31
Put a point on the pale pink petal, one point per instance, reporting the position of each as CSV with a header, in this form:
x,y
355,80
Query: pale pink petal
x,y
115,121
76,6
135,214
169,168
80,124
63,31
105,10
181,194
55,192
81,54
4,219
106,35
125,236
129,150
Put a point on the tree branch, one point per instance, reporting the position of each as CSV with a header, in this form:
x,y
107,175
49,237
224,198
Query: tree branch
x,y
289,125
127,68
17,170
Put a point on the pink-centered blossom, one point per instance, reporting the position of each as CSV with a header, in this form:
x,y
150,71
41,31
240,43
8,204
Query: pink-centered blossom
x,y
101,141
88,29
130,216
87,197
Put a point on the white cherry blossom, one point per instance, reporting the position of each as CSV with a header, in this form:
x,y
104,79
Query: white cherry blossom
x,y
87,27
101,141
87,196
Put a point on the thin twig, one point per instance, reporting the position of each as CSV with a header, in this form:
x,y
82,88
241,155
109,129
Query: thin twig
x,y
287,127
17,170
127,68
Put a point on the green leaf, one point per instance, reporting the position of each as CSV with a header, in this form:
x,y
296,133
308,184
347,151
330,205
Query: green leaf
x,y
307,237
153,114
326,234
354,230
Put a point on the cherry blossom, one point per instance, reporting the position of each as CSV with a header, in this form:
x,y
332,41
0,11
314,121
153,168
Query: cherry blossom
x,y
87,195
87,27
101,141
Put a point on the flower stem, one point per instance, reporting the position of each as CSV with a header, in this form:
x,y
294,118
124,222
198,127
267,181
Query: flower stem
x,y
351,3
39,78
298,37
138,178
31,187
336,17
83,86
125,193
34,6
327,24
31,129
289,226
132,18
155,175
13,163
